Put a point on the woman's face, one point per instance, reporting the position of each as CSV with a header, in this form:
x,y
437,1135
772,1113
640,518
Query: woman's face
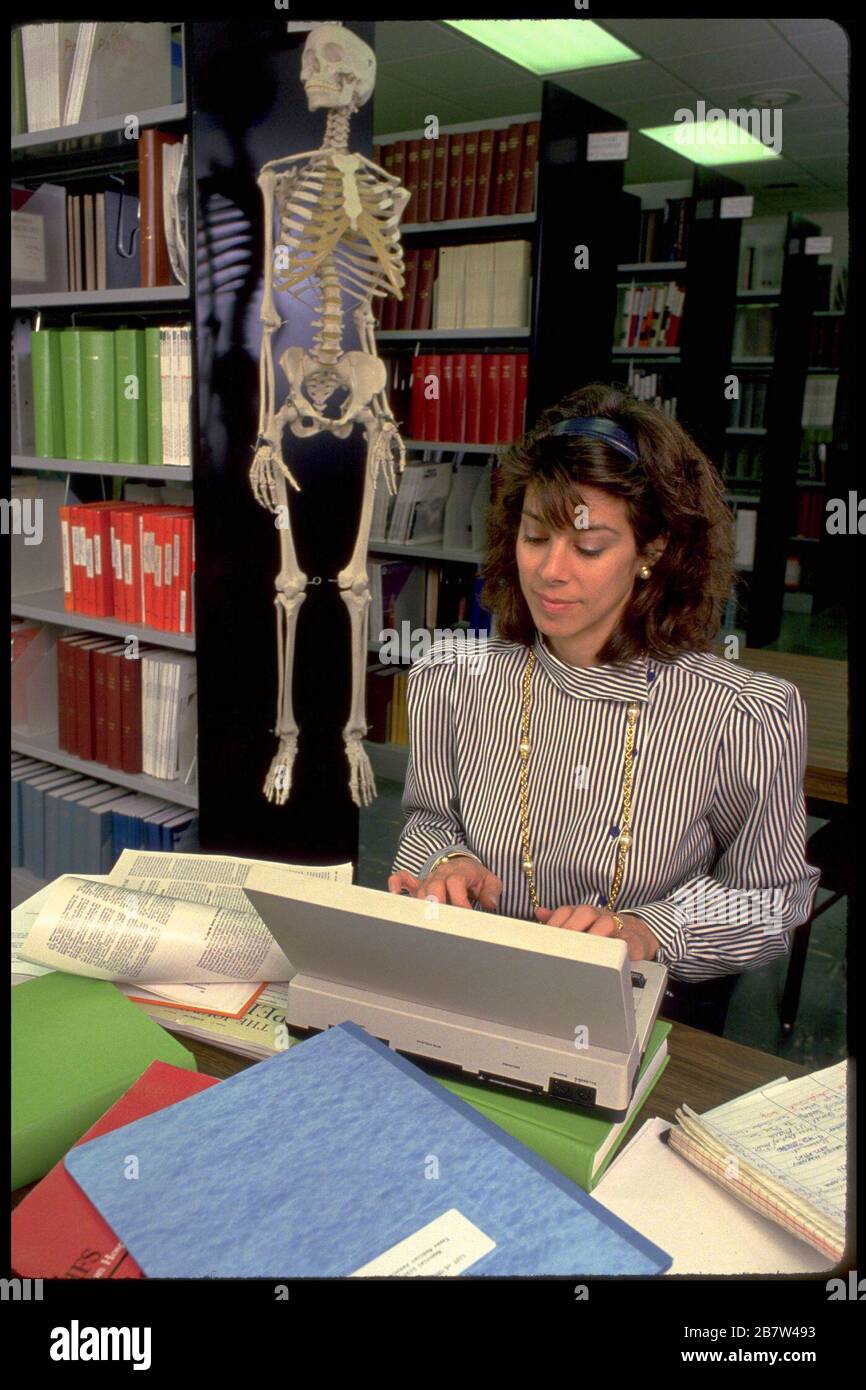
x,y
589,570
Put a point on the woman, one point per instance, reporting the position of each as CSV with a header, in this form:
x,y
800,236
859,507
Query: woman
x,y
598,769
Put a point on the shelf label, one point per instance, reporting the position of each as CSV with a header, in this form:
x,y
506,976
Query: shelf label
x,y
818,245
741,206
607,144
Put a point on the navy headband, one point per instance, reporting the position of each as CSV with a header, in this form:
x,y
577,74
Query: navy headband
x,y
599,427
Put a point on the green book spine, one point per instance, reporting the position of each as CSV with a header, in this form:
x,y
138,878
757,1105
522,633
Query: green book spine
x,y
153,393
71,349
19,101
131,395
100,419
566,1136
48,394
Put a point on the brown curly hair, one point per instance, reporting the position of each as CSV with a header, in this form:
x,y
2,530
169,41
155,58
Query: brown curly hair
x,y
674,491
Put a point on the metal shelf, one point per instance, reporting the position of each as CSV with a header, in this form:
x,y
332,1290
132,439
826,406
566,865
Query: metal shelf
x,y
77,299
48,608
454,446
652,267
103,125
150,472
433,551
388,335
45,746
468,224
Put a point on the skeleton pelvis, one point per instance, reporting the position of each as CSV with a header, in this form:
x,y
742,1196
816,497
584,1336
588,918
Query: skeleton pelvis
x,y
356,376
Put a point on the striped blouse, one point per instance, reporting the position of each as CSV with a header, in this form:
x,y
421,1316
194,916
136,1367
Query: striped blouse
x,y
716,865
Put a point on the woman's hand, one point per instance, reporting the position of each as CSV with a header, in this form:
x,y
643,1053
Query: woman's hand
x,y
641,943
456,881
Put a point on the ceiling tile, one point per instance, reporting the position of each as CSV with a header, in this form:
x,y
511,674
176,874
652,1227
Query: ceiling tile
x,y
803,118
799,145
398,106
763,63
517,99
832,168
665,39
810,89
840,83
622,82
399,39
456,74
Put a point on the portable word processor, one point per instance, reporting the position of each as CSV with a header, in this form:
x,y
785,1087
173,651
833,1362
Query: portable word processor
x,y
517,1004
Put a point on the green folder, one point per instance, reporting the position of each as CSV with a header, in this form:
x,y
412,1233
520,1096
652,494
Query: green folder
x,y
97,382
154,395
568,1136
77,1045
48,393
71,350
130,395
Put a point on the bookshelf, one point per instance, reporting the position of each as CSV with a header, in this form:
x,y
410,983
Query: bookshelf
x,y
84,157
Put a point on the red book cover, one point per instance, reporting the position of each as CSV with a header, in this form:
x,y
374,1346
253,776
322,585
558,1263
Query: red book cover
x,y
433,398
184,598
159,528
455,175
155,264
67,693
78,552
56,1232
513,159
129,683
63,660
507,397
425,179
500,159
117,584
676,318
398,162
490,398
446,397
100,706
131,565
424,287
148,559
439,194
90,560
458,399
385,156
518,425
66,543
417,414
472,431
102,567
390,310
406,311
411,180
483,176
192,577
84,698
174,585
528,166
113,710
470,168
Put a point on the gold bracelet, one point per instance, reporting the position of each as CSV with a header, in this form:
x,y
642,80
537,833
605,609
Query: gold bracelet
x,y
619,923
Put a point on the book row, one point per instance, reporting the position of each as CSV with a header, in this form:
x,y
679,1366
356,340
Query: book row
x,y
663,234
133,710
437,502
748,411
131,562
387,720
485,285
656,386
744,464
825,348
120,395
65,823
811,514
754,331
469,397
650,315
819,402
472,173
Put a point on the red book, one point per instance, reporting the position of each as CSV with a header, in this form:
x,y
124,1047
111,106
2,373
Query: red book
x,y
398,162
483,176
113,710
155,264
184,598
131,565
147,561
78,550
100,517
446,397
507,397
406,311
433,398
472,430
500,159
417,412
56,1232
62,730
67,732
455,175
425,179
513,160
389,311
100,705
412,179
83,657
470,168
528,166
116,539
490,398
160,580
192,577
458,399
439,193
518,424
385,155
424,287
66,544
174,574
129,700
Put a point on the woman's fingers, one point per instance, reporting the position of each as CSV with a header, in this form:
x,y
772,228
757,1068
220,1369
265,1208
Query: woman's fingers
x,y
579,918
402,881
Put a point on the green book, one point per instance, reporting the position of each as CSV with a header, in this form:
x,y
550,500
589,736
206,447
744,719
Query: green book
x,y
19,101
130,395
48,393
153,392
97,382
72,342
77,1045
567,1136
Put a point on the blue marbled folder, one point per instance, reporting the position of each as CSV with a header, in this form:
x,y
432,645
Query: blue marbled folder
x,y
339,1157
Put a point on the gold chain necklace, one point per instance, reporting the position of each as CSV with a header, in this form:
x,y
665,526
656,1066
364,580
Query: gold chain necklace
x,y
625,820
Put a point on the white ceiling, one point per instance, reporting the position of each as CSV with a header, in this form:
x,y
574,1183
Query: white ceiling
x,y
425,68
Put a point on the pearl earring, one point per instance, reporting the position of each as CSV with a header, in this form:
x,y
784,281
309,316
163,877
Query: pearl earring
x,y
644,572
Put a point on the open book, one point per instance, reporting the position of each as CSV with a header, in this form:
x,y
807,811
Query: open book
x,y
781,1149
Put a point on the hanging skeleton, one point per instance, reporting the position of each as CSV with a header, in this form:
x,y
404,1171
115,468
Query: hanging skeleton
x,y
339,216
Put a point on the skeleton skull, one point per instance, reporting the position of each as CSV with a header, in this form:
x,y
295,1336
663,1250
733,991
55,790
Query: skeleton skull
x,y
337,68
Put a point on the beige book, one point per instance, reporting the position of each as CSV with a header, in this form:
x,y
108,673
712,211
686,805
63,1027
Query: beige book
x,y
511,268
478,307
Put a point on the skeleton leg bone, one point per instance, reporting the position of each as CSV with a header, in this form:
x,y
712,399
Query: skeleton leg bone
x,y
290,594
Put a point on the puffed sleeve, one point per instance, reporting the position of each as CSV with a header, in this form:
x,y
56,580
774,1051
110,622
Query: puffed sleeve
x,y
739,916
430,798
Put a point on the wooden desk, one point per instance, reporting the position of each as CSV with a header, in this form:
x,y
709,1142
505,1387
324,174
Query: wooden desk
x,y
824,686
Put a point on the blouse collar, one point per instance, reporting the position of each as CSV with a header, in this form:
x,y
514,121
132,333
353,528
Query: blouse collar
x,y
630,681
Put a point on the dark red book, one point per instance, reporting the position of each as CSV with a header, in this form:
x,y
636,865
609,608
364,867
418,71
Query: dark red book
x,y
439,193
433,397
518,426
83,657
425,179
490,398
472,429
507,397
113,711
513,159
412,179
100,705
528,166
398,156
424,287
458,398
406,312
417,413
56,1232
500,159
470,168
129,679
446,397
67,727
155,264
484,173
184,595
455,175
